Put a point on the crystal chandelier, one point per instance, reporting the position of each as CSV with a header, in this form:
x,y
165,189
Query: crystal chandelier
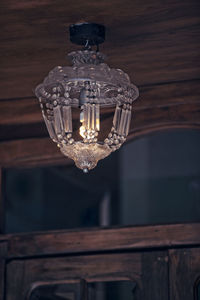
x,y
89,86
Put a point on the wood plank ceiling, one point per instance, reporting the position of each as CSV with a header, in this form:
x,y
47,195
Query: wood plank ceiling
x,y
155,42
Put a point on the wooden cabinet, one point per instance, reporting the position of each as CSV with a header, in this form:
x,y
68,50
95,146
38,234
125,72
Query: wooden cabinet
x,y
148,270
184,273
155,262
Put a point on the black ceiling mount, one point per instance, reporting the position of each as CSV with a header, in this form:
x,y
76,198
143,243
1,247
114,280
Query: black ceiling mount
x,y
87,34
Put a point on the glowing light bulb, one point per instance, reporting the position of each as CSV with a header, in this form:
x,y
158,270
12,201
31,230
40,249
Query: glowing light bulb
x,y
82,131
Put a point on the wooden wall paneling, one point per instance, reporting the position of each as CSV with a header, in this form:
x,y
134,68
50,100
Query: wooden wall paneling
x,y
31,153
12,132
184,271
154,42
20,111
139,237
173,93
165,117
136,267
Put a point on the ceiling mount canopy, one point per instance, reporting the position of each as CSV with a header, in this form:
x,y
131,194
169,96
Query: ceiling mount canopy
x,y
88,85
87,33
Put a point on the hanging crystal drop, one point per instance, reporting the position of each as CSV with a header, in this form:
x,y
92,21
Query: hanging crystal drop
x,y
128,121
97,117
93,117
88,120
82,115
58,120
120,130
116,119
67,118
50,128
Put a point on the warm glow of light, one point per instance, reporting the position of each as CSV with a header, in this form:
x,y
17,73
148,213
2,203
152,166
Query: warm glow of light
x,y
82,131
97,124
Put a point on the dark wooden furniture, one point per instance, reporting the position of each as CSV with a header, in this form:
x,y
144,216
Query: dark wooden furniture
x,y
162,261
156,43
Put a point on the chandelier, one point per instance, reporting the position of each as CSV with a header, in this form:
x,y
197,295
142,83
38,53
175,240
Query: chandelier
x,y
88,86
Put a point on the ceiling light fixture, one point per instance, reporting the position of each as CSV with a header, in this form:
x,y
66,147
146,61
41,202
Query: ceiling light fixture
x,y
89,85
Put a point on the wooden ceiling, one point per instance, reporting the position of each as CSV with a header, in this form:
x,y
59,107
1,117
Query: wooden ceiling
x,y
156,42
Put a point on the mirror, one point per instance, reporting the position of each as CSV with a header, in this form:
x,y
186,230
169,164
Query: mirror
x,y
160,178
154,179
